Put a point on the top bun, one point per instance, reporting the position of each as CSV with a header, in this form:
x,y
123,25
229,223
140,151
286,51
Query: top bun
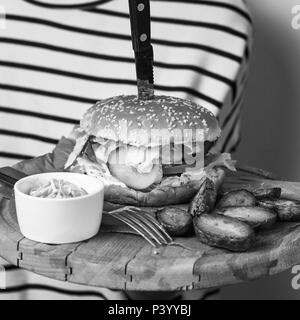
x,y
108,119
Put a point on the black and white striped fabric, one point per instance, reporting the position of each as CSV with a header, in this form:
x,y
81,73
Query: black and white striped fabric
x,y
57,57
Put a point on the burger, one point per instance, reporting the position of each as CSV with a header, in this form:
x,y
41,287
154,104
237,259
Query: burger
x,y
148,152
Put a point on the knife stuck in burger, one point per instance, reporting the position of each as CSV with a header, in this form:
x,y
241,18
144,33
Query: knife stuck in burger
x,y
148,152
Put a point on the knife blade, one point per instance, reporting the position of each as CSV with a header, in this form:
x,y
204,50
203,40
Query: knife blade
x,y
143,50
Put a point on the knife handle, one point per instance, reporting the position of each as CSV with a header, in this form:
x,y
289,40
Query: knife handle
x,y
140,24
141,41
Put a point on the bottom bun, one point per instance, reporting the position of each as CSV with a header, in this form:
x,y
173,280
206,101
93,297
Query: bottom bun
x,y
161,195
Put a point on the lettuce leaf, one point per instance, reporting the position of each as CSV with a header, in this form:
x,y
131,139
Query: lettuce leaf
x,y
97,170
220,160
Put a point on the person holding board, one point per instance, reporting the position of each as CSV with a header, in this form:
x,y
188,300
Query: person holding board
x,y
58,58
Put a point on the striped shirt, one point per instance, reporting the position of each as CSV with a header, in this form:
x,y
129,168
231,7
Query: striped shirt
x,y
57,57
56,61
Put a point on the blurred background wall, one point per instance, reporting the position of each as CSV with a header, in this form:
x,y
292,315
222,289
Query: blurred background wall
x,y
271,117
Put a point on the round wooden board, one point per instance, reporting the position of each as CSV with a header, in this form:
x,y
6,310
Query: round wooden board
x,y
127,262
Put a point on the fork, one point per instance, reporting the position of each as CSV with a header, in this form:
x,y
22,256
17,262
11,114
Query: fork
x,y
136,218
144,224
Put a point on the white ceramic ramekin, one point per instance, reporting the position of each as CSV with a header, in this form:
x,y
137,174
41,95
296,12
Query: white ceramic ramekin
x,y
58,221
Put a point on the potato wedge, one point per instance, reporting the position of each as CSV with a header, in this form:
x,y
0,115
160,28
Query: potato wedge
x,y
238,198
205,199
256,217
176,221
223,232
287,210
273,193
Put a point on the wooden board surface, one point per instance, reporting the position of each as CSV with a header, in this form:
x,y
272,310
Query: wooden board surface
x,y
126,261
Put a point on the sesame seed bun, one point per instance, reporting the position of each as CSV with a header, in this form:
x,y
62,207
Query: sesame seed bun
x,y
163,113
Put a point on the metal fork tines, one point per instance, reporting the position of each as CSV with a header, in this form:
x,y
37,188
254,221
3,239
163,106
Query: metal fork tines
x,y
144,224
